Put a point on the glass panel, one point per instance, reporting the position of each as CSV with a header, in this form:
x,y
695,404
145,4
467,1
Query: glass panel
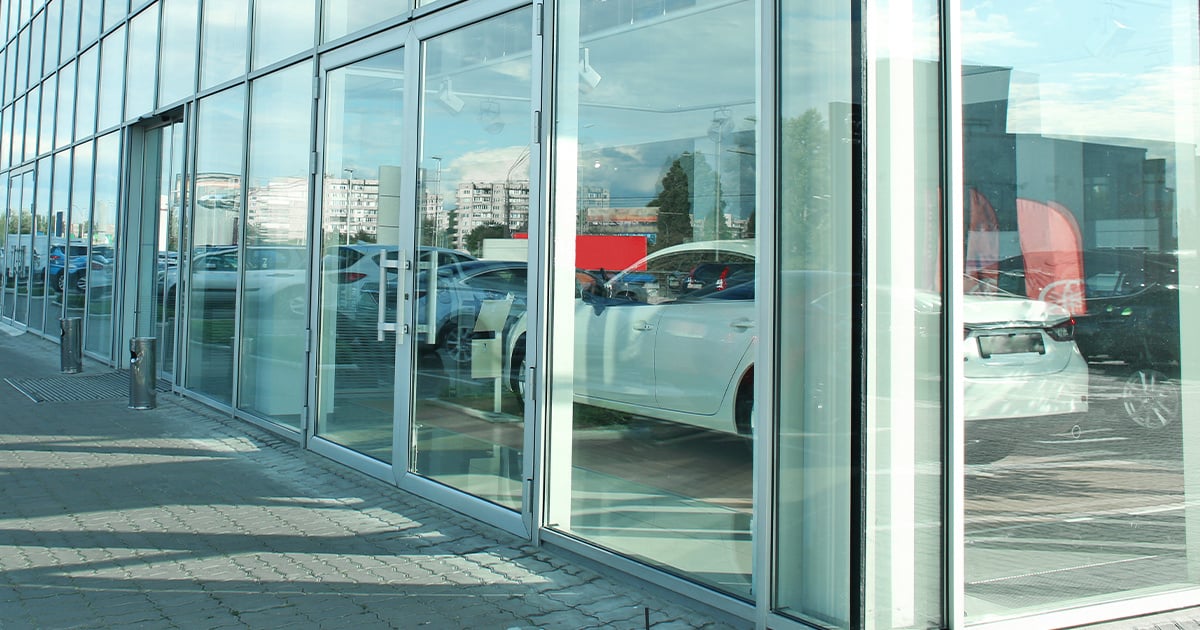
x,y
1080,172
9,10
9,259
282,28
33,105
102,255
85,94
180,30
18,132
22,60
22,256
89,24
10,76
63,126
45,142
224,41
69,43
69,263
36,44
18,248
53,34
112,78
275,287
814,307
467,431
363,144
38,303
139,67
56,249
114,11
341,17
6,138
658,162
214,261
903,314
172,200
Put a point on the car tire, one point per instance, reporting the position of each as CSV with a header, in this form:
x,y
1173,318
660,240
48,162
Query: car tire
x,y
743,406
454,342
58,283
519,369
1150,399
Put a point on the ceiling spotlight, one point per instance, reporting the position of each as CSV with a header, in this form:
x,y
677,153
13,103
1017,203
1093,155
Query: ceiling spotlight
x,y
588,76
448,98
489,117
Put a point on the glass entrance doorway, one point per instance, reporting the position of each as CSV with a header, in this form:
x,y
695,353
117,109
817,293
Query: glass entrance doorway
x,y
425,186
172,187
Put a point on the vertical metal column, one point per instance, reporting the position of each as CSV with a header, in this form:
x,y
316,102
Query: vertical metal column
x,y
71,344
142,373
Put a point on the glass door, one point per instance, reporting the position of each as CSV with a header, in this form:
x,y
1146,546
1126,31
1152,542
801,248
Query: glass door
x,y
172,189
423,263
360,185
18,249
472,224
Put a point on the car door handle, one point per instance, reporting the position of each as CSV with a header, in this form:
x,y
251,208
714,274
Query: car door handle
x,y
742,323
643,326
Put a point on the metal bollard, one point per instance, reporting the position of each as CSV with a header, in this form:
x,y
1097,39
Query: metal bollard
x,y
142,373
71,344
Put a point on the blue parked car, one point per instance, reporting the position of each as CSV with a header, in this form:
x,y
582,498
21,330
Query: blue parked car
x,y
72,267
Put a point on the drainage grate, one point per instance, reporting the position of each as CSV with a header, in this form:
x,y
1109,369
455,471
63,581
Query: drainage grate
x,y
74,388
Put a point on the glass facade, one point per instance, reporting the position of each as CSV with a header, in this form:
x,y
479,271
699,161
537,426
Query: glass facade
x,y
656,184
874,312
1079,189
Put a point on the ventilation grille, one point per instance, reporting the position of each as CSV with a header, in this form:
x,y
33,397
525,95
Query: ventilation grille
x,y
74,388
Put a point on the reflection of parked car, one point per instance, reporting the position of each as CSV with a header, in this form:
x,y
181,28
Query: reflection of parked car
x,y
275,275
665,274
690,360
1132,307
69,265
353,267
719,274
455,296
1130,328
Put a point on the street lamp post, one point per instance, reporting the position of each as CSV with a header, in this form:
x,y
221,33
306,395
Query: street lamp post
x,y
722,123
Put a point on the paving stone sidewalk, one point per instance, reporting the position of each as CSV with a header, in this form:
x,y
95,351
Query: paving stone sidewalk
x,y
181,517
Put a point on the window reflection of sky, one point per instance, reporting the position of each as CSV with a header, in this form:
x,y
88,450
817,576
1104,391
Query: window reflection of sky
x,y
1083,69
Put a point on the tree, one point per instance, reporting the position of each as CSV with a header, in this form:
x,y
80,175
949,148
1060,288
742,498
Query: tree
x,y
474,240
805,190
674,203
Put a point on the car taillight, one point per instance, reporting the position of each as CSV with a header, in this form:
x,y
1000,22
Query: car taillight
x,y
346,277
1064,331
722,279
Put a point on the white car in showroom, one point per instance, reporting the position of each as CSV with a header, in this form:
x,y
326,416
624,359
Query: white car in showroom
x,y
690,360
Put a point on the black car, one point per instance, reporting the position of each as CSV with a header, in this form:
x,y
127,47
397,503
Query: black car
x,y
1132,316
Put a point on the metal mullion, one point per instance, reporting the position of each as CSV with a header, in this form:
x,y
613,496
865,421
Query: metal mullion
x,y
239,287
765,465
953,446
